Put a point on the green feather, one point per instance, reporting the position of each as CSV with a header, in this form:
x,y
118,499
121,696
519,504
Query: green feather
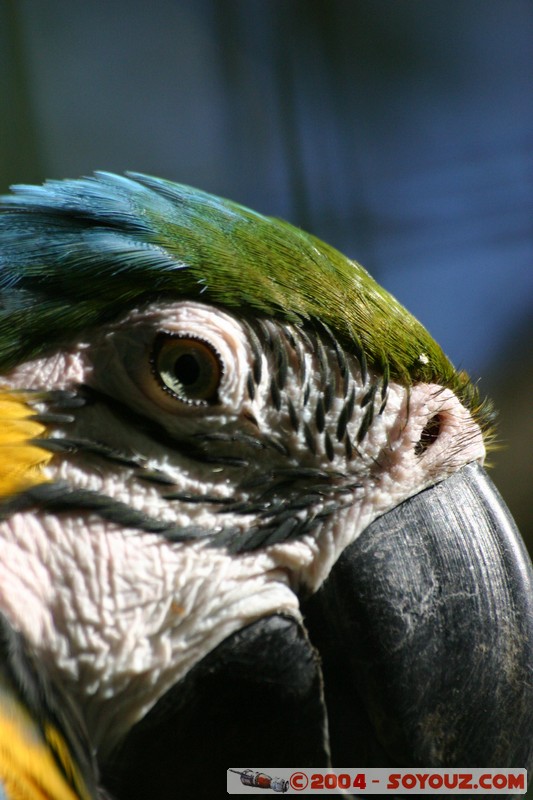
x,y
74,254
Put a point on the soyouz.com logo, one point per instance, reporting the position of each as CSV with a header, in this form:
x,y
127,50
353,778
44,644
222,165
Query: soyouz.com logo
x,y
360,782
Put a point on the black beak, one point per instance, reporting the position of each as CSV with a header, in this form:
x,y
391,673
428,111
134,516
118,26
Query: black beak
x,y
425,635
431,612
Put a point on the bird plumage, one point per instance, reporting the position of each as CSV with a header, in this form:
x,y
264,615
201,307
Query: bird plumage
x,y
202,409
75,253
44,750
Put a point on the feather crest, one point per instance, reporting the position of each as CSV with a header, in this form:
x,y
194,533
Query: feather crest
x,y
75,253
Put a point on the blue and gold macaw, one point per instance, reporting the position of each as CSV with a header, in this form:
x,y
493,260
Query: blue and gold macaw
x,y
244,518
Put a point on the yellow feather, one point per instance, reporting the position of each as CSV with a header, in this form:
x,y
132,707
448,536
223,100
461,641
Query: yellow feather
x,y
21,461
28,770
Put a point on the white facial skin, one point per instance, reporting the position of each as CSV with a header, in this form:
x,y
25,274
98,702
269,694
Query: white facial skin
x,y
121,614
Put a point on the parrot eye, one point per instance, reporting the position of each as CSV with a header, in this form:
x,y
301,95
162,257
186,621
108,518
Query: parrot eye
x,y
187,368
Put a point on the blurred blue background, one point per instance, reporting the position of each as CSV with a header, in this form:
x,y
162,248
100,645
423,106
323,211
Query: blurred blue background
x,y
401,131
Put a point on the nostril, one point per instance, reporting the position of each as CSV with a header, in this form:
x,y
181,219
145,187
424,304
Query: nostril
x,y
429,434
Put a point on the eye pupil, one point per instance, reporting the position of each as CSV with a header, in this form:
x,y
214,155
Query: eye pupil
x,y
187,370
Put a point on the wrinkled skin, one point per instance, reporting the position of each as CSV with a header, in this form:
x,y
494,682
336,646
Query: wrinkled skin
x,y
178,583
243,509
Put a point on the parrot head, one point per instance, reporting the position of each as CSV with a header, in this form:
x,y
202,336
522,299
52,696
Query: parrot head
x,y
242,494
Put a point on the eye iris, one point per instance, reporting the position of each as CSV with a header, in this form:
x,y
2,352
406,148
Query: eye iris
x,y
188,369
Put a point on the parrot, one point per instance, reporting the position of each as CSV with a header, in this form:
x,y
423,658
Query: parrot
x,y
244,512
